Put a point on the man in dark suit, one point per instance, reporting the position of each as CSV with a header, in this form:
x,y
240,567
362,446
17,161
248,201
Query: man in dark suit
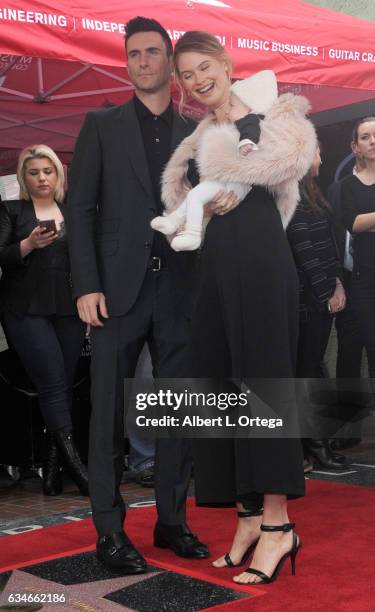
x,y
131,288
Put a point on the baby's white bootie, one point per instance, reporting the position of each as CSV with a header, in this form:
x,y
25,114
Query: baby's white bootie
x,y
167,224
189,239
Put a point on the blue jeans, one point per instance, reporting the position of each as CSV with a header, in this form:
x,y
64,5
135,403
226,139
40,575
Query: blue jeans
x,y
141,454
49,349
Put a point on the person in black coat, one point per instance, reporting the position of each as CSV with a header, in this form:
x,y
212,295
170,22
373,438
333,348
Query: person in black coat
x,y
132,288
358,213
349,341
38,313
321,296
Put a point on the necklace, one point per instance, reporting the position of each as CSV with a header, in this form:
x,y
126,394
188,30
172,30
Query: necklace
x,y
222,115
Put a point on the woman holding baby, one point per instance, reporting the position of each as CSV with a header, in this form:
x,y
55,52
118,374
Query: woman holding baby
x,y
245,321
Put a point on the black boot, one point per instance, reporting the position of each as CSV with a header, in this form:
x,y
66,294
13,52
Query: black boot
x,y
321,455
72,461
52,476
6,480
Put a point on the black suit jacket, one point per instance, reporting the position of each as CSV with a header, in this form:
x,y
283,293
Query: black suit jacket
x,y
19,276
111,204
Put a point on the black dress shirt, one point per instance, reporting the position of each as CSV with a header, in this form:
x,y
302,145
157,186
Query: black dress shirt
x,y
157,135
53,292
40,283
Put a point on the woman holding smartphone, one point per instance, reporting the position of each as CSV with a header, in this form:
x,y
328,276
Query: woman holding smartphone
x,y
38,313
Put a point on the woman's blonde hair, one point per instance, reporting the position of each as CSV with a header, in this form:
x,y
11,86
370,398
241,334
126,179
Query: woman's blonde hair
x,y
38,152
198,42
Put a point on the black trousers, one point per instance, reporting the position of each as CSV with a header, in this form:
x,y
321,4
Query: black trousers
x,y
351,395
115,351
49,349
363,301
349,339
312,344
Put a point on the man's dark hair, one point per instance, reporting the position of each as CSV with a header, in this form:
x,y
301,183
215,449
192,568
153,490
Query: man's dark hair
x,y
144,24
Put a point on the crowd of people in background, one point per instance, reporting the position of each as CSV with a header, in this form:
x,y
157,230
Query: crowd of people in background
x,y
279,263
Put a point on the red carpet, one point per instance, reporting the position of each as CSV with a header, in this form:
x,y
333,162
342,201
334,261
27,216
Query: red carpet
x,y
335,568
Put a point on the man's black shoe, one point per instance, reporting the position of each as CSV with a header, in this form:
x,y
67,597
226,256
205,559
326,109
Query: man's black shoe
x,y
344,443
321,456
117,552
181,540
145,478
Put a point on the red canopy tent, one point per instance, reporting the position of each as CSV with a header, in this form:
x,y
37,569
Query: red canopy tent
x,y
58,61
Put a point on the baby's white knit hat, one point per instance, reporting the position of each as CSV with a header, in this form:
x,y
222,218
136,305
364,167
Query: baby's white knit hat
x,y
258,91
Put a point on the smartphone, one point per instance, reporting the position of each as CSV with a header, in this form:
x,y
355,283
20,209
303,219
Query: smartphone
x,y
48,225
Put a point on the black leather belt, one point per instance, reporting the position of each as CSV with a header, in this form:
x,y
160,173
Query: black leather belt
x,y
156,264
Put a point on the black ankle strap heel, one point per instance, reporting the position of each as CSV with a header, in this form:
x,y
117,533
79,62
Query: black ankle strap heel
x,y
292,553
249,550
249,513
286,527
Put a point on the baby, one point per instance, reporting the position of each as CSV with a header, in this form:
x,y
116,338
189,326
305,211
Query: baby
x,y
250,99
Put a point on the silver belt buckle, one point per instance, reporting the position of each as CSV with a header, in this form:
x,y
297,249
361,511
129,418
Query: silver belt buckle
x,y
156,264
